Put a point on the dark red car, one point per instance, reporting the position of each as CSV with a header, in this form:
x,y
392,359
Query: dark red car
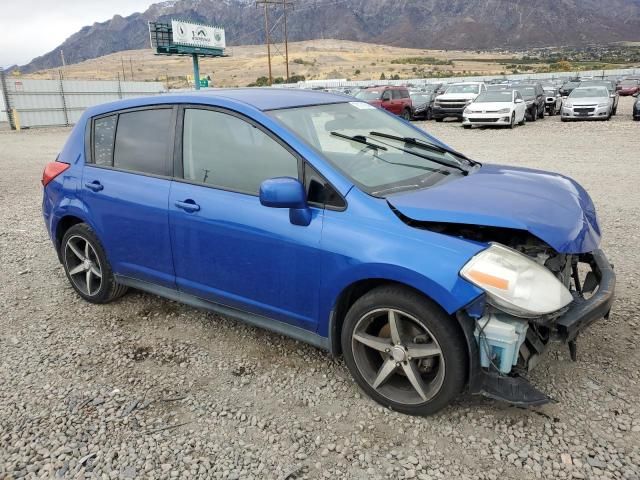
x,y
393,99
628,87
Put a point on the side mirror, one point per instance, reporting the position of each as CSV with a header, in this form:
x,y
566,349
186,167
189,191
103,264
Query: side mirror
x,y
286,192
519,100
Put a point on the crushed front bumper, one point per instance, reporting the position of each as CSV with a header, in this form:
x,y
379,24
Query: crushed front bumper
x,y
516,389
583,312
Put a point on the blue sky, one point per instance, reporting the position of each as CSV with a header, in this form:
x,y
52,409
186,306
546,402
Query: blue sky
x,y
30,28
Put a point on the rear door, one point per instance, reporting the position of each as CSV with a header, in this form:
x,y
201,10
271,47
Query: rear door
x,y
125,189
397,101
228,248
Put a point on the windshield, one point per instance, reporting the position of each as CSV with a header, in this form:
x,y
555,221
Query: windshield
x,y
417,98
589,92
495,96
367,95
463,89
380,167
526,91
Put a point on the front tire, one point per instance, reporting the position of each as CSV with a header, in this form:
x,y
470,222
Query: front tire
x,y
513,121
404,351
406,114
533,115
86,265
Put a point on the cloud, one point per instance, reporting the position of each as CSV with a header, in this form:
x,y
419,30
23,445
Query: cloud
x,y
31,28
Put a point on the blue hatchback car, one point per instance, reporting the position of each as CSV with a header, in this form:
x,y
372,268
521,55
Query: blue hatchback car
x,y
323,218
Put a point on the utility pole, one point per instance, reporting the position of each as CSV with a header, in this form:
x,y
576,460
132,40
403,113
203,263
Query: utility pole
x,y
64,64
285,4
122,62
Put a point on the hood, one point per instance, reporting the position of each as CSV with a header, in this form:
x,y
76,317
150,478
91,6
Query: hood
x,y
489,106
587,100
457,96
552,207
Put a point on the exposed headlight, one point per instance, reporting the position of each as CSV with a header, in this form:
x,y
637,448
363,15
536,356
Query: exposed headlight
x,y
602,105
467,111
504,110
567,104
515,283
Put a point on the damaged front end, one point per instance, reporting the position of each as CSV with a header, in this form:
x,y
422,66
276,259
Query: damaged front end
x,y
508,333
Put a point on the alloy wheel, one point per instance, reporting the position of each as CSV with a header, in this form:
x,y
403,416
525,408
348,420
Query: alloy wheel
x,y
83,265
398,356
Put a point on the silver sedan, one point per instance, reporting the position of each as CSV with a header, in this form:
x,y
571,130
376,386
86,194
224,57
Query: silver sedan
x,y
588,103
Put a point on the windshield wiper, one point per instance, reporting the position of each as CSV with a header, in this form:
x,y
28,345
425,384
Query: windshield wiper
x,y
431,158
421,143
359,139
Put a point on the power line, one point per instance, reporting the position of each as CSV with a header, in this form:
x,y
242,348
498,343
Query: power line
x,y
285,4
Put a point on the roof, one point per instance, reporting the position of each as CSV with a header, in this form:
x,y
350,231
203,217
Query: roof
x,y
276,98
259,98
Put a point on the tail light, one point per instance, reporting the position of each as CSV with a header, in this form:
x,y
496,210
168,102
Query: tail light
x,y
52,170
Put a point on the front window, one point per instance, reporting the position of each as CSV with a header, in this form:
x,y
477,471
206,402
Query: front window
x,y
495,96
368,95
463,89
380,167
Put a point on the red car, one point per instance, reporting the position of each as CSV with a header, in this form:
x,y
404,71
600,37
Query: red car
x,y
628,87
393,99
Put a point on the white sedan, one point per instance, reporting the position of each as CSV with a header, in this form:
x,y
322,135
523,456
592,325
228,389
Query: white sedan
x,y
496,107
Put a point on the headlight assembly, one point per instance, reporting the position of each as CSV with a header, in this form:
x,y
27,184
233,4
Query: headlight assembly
x,y
602,105
504,110
516,284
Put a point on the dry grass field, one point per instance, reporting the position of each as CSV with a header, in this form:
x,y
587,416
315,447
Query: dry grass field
x,y
315,59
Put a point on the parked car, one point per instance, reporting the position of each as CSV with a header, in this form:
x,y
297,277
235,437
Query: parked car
x,y
552,99
393,99
331,221
495,108
567,87
588,103
455,99
628,87
609,86
636,109
534,97
422,103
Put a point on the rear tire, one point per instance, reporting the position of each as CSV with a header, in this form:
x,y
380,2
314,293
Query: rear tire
x,y
87,267
466,127
429,114
439,120
534,115
424,366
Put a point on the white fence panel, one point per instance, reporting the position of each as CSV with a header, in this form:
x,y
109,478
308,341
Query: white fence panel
x,y
61,102
336,83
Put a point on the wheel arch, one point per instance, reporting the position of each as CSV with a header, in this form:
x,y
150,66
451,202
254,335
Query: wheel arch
x,y
355,290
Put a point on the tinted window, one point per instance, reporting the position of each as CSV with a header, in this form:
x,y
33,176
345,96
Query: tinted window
x,y
319,190
396,94
225,151
104,130
143,141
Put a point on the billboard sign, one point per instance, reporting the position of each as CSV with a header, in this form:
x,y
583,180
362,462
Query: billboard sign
x,y
196,35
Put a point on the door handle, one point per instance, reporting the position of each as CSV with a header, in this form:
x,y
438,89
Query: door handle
x,y
95,186
188,206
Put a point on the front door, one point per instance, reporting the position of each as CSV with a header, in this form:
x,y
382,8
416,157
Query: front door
x,y
125,189
227,247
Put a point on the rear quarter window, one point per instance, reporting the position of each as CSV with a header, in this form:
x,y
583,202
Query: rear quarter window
x,y
104,131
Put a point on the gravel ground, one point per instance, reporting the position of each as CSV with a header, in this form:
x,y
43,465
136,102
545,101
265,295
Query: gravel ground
x,y
148,388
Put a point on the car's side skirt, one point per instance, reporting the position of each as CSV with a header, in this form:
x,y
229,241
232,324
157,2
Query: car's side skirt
x,y
260,321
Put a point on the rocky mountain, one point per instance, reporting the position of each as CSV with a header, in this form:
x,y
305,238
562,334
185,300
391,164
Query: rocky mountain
x,y
448,24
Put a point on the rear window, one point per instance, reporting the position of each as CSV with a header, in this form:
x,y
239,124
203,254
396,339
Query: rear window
x,y
142,141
